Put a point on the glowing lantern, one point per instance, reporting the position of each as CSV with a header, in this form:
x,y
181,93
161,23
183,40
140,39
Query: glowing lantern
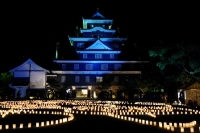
x,y
160,124
175,124
56,121
180,124
52,122
168,127
14,126
29,125
191,129
182,129
172,128
37,124
21,125
42,124
7,126
143,121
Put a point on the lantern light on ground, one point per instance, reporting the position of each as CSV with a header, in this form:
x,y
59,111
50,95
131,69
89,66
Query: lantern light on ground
x,y
14,126
21,125
29,125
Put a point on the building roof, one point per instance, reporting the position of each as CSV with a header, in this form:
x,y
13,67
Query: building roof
x,y
28,65
98,45
98,15
96,29
195,85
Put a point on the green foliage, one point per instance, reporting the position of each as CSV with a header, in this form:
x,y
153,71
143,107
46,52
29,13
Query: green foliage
x,y
6,78
183,55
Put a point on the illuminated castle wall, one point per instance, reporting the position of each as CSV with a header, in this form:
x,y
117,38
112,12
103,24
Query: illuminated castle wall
x,y
98,62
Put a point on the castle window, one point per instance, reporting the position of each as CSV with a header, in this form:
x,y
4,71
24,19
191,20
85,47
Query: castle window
x,y
104,66
117,66
112,56
116,46
89,67
76,66
63,66
63,78
98,56
84,56
77,79
80,45
99,79
87,78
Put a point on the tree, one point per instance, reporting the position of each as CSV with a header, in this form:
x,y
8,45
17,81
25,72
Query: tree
x,y
183,55
5,80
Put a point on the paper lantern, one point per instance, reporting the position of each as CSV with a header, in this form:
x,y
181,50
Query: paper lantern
x,y
21,125
37,124
175,124
143,121
191,129
7,126
160,124
180,124
29,125
42,124
52,122
147,122
168,127
14,126
172,128
60,121
182,129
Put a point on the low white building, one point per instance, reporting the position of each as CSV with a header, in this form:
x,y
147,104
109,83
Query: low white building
x,y
28,75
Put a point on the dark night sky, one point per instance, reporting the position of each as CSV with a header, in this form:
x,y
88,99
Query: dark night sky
x,y
32,29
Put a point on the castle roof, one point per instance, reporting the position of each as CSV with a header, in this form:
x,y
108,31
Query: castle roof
x,y
28,65
98,45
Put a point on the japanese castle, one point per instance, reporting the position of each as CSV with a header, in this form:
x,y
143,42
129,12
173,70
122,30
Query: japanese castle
x,y
98,50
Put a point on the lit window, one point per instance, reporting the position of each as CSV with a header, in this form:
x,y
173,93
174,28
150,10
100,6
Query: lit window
x,y
111,56
117,66
76,66
63,66
80,45
99,79
87,78
63,78
116,79
98,56
104,66
89,67
77,79
84,56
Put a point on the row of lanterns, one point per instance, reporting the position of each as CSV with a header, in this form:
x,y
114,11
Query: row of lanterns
x,y
117,109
